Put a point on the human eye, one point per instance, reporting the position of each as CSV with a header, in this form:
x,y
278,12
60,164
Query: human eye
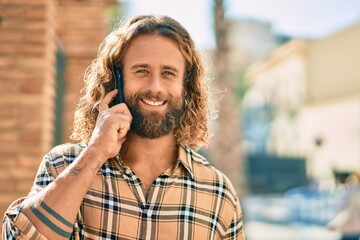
x,y
142,71
168,73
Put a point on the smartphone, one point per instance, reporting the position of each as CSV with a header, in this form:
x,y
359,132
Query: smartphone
x,y
117,79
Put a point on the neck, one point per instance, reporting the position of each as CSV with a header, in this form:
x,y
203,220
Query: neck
x,y
157,154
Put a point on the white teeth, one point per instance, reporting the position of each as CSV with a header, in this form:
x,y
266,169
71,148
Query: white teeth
x,y
153,103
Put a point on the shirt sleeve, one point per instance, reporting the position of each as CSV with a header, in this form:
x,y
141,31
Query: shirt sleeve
x,y
235,230
15,224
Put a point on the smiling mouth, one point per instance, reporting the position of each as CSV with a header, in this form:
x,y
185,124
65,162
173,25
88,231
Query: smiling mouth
x,y
153,103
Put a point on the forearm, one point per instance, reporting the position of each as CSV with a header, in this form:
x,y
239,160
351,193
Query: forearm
x,y
53,210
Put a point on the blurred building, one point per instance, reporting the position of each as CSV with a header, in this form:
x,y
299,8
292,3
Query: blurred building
x,y
45,46
250,42
304,101
277,92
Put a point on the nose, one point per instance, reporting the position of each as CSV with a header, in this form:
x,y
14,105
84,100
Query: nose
x,y
155,84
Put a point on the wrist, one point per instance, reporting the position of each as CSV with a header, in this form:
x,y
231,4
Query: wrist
x,y
97,151
95,158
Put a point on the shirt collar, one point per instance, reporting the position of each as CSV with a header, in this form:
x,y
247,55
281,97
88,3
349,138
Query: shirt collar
x,y
185,158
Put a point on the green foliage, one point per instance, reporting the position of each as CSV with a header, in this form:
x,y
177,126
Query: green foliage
x,y
112,15
241,85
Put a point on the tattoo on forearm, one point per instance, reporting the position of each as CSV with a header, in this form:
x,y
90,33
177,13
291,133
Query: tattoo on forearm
x,y
49,223
55,214
75,171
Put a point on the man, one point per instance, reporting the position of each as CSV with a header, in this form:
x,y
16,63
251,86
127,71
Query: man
x,y
347,220
135,174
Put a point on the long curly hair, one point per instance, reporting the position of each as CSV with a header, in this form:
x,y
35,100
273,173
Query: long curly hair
x,y
193,130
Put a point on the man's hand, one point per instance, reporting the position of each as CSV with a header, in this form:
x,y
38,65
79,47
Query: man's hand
x,y
111,127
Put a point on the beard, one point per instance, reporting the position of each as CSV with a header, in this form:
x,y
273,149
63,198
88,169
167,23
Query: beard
x,y
154,124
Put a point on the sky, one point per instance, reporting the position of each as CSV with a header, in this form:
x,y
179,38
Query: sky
x,y
294,18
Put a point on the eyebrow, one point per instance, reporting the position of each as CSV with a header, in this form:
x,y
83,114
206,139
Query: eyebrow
x,y
144,65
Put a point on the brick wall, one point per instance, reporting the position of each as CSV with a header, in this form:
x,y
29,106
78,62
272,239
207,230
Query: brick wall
x,y
29,31
26,92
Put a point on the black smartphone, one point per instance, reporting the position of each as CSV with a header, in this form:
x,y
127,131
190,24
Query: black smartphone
x,y
117,79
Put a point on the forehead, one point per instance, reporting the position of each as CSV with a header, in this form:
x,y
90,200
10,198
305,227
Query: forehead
x,y
154,49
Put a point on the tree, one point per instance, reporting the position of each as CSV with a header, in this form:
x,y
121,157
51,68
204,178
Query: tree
x,y
225,150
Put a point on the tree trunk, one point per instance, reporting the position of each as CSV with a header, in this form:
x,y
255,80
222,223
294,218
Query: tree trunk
x,y
225,150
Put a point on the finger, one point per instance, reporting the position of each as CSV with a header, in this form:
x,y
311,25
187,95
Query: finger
x,y
124,121
122,132
121,122
104,104
121,113
122,140
120,108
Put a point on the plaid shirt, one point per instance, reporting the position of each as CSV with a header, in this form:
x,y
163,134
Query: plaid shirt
x,y
194,201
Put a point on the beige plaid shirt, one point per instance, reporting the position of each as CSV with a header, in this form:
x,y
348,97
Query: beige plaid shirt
x,y
194,201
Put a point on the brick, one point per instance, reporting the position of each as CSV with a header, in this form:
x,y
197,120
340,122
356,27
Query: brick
x,y
35,36
19,74
33,63
7,198
7,111
30,100
25,185
87,51
10,36
30,136
25,2
26,124
22,48
9,24
36,13
83,39
29,161
4,175
7,62
20,99
30,112
13,149
8,187
12,12
8,161
8,124
36,25
23,24
30,88
8,136
8,86
20,175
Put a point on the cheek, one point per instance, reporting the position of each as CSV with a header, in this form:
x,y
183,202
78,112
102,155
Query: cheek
x,y
129,95
177,89
130,88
